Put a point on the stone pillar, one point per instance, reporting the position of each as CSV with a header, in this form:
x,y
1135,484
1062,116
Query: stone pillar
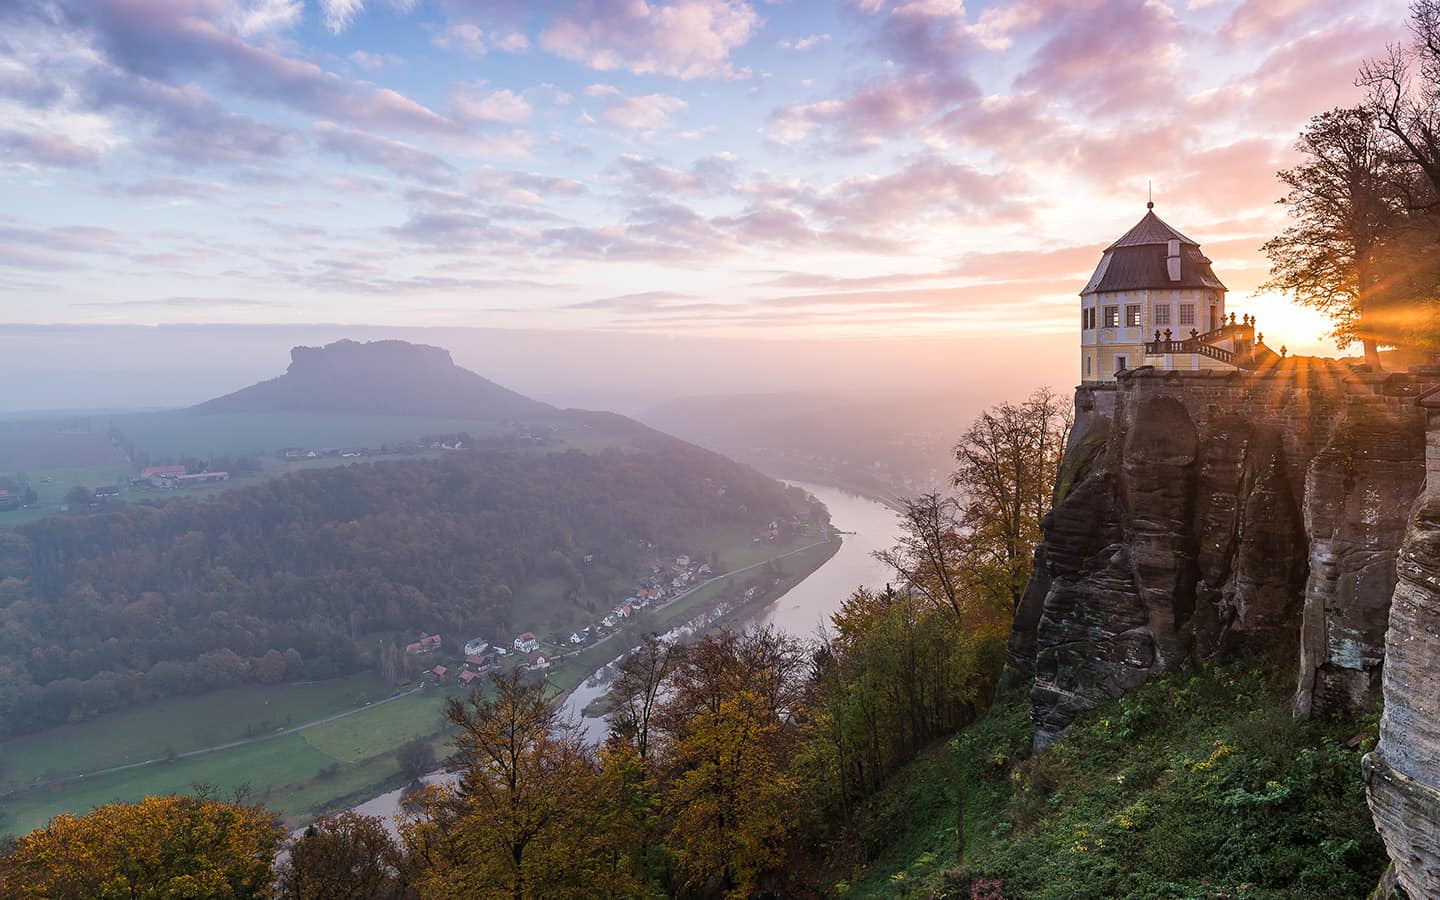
x,y
1403,773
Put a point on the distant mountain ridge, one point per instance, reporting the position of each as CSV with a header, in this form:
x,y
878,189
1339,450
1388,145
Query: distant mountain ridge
x,y
387,377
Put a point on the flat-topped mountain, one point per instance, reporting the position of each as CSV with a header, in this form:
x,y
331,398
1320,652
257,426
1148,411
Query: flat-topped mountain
x,y
394,378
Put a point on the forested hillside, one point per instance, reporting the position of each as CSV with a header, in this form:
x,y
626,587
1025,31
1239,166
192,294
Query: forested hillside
x,y
285,579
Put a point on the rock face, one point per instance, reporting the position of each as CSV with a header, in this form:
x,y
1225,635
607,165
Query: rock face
x,y
1207,513
1403,772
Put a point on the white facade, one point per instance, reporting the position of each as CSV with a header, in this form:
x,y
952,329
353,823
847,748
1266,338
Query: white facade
x,y
1106,348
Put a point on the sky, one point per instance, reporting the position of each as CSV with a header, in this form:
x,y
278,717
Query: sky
x,y
694,169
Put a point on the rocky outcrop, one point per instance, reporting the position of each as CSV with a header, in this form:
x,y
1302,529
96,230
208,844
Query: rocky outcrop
x,y
1203,513
1357,493
1403,772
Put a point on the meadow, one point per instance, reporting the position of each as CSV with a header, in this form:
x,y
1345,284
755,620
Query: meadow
x,y
295,774
168,435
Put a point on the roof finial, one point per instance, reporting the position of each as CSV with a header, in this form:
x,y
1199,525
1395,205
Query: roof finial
x,y
1149,195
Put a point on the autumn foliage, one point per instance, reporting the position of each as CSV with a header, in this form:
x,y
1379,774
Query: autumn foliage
x,y
162,847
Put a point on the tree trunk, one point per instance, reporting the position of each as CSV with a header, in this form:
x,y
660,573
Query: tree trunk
x,y
1372,354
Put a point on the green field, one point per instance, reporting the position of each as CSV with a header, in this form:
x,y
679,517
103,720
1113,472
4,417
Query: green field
x,y
296,774
262,434
178,725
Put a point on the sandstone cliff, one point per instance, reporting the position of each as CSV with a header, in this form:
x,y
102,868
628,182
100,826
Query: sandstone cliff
x,y
1202,514
1403,772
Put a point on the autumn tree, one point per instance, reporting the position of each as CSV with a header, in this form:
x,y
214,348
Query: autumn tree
x,y
1404,97
974,548
176,846
1343,200
728,792
635,694
520,821
346,856
1007,464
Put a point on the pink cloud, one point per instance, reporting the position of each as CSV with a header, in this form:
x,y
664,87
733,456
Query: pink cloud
x,y
684,39
1109,57
491,107
160,39
397,156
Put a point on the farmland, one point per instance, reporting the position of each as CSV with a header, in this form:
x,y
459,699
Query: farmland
x,y
34,444
172,435
294,772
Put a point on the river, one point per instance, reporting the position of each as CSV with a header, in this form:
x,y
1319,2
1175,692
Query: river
x,y
867,525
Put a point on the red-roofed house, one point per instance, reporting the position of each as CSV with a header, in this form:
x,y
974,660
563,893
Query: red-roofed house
x,y
538,661
467,676
527,642
440,672
428,643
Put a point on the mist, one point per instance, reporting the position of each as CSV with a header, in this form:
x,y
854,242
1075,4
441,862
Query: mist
x,y
99,367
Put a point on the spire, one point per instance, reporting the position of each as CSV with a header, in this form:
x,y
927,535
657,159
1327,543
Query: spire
x,y
1149,195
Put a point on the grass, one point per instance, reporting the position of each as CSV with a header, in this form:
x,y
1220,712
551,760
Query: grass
x,y
381,730
1194,786
262,434
50,495
181,724
278,761
74,443
296,773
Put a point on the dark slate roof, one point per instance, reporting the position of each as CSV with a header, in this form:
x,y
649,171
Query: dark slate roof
x,y
1151,230
1137,261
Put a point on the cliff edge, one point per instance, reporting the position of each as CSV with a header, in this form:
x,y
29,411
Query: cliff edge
x,y
1202,514
1403,772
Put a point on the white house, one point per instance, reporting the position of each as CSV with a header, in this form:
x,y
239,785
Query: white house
x,y
527,643
1154,290
476,647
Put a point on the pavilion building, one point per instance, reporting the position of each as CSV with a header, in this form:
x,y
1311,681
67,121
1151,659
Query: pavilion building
x,y
1155,301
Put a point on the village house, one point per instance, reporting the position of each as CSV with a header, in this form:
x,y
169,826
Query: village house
x,y
538,661
440,672
107,492
476,646
467,677
428,643
527,643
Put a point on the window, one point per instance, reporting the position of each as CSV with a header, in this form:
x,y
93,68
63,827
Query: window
x,y
1187,314
1087,319
1132,316
1214,313
1087,365
1162,314
1112,317
1121,364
